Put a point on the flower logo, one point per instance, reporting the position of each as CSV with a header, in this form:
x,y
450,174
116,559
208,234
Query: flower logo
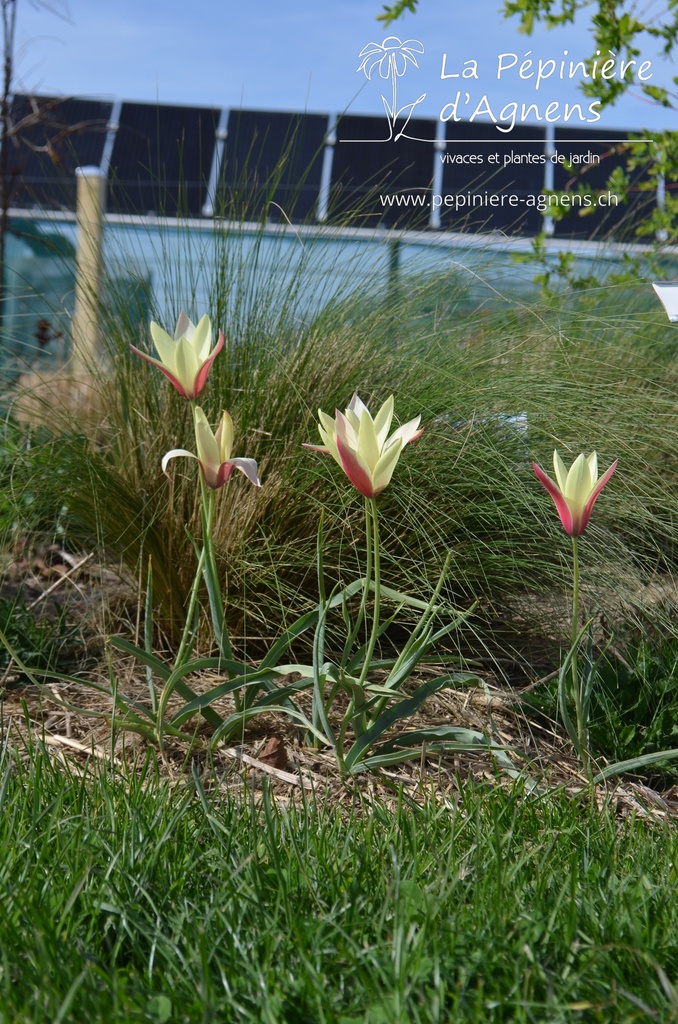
x,y
391,59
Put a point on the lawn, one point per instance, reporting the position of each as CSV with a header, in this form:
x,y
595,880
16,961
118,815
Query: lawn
x,y
127,897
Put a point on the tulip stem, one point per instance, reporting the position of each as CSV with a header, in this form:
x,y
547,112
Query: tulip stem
x,y
582,732
360,617
372,524
211,575
190,612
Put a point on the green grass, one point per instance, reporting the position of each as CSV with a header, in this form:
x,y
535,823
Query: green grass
x,y
124,899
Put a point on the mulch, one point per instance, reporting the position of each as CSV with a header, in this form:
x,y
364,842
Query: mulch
x,y
76,720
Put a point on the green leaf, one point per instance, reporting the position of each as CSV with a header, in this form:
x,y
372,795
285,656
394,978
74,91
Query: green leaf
x,y
634,763
354,663
202,702
159,1008
407,661
388,718
440,738
239,718
153,662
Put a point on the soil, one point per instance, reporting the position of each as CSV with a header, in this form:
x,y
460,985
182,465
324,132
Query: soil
x,y
73,713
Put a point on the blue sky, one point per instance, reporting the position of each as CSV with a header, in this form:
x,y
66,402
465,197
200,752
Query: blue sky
x,y
296,55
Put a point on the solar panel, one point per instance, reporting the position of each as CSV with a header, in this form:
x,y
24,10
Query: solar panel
x,y
379,179
584,165
169,160
271,166
492,179
51,137
161,159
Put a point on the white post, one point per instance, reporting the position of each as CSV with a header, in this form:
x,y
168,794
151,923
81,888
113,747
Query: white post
x,y
91,197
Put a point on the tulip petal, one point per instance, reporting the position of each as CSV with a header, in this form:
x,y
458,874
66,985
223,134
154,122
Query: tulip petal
x,y
352,415
165,346
186,365
224,437
560,471
163,369
368,443
408,432
383,471
184,328
201,341
382,421
578,485
208,449
326,422
357,406
593,467
207,366
588,508
174,454
355,470
221,476
560,503
249,468
316,448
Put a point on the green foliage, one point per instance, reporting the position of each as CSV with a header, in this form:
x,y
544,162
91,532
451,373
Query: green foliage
x,y
39,642
24,459
633,702
126,898
623,33
391,14
635,709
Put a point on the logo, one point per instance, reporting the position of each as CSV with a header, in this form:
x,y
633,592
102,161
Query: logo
x,y
392,59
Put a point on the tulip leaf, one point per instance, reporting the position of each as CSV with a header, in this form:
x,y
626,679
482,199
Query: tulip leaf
x,y
441,738
298,627
405,599
176,681
408,659
203,701
634,763
248,679
239,718
403,709
166,674
278,700
140,654
109,690
380,760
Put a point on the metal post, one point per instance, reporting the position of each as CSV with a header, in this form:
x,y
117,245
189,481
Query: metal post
x,y
91,197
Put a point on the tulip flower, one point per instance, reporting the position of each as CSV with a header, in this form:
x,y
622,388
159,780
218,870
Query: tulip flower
x,y
361,445
185,359
214,452
577,489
